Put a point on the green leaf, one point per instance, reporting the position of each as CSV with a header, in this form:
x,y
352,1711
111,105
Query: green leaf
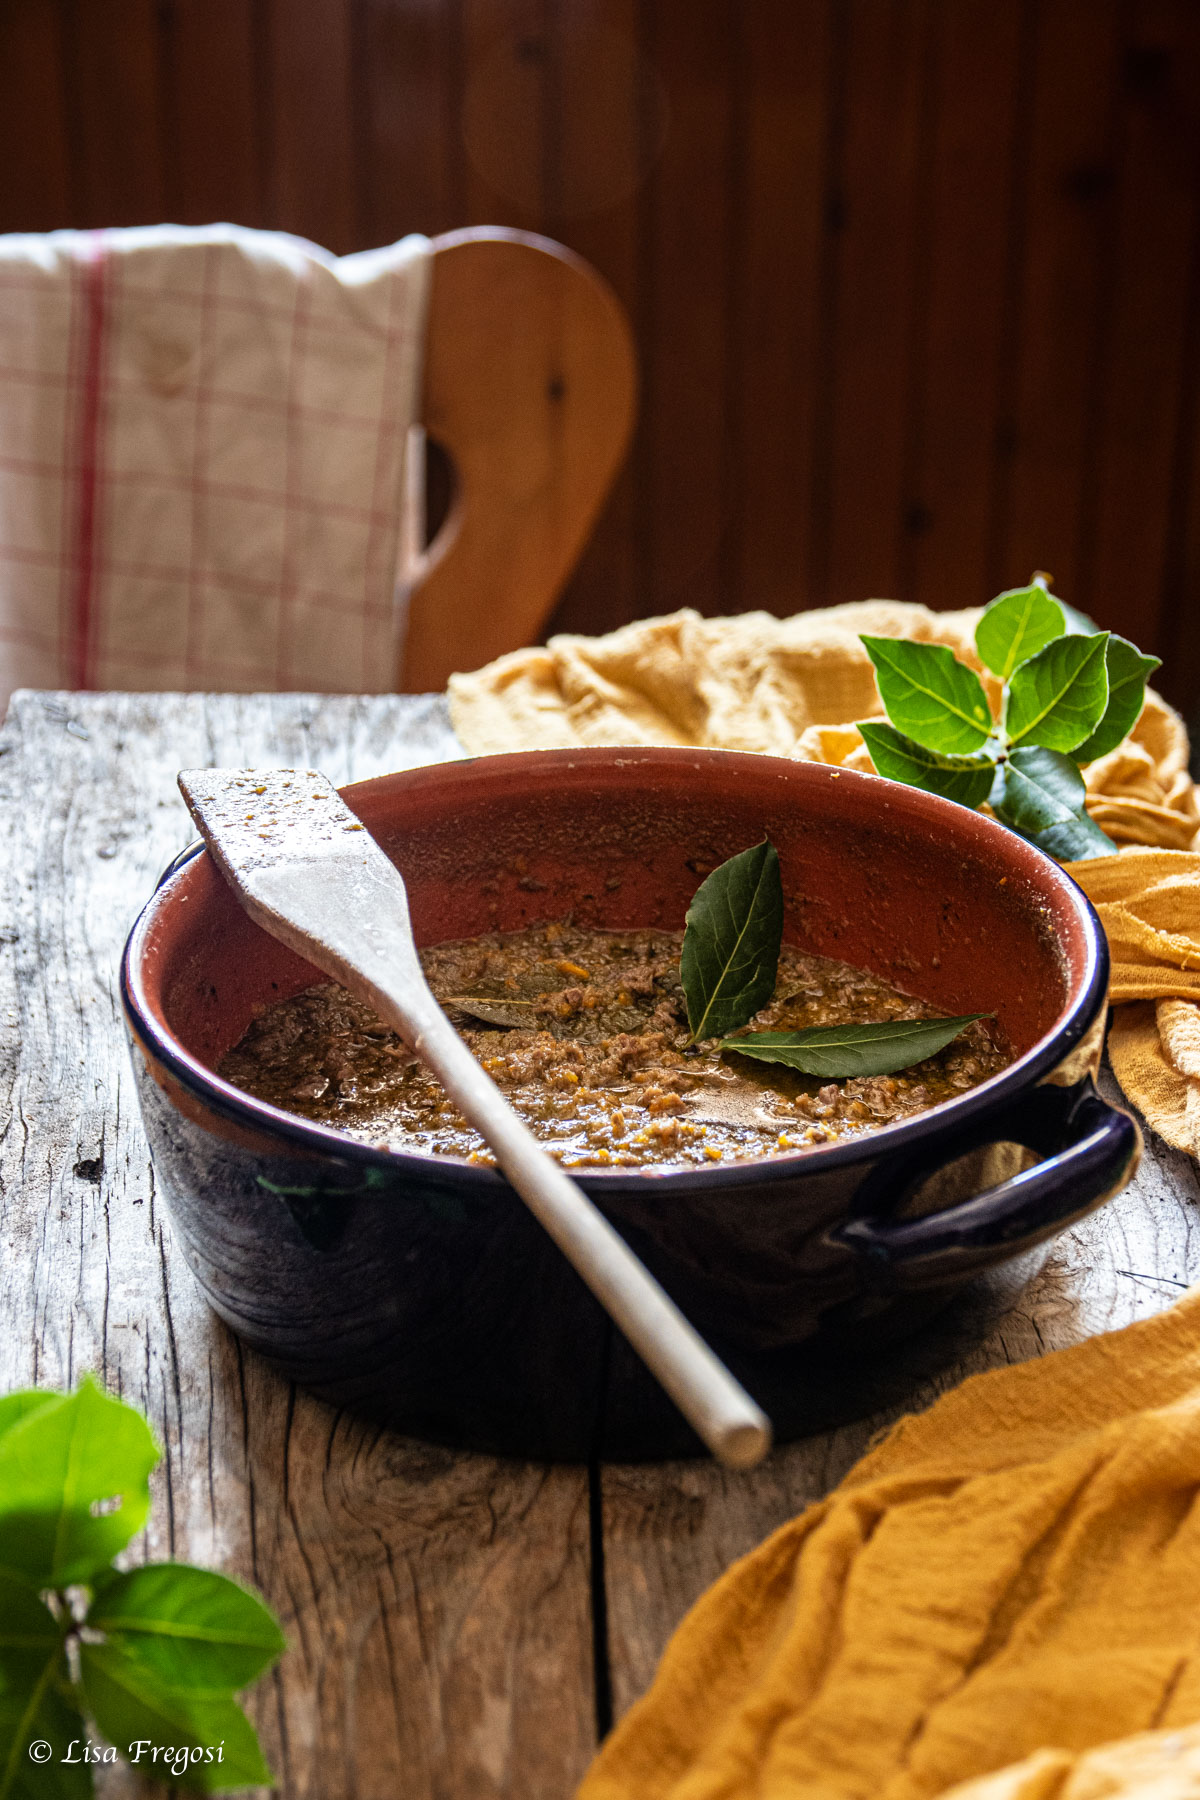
x,y
731,945
1041,794
967,779
1058,697
1128,671
837,1052
58,1464
15,1407
929,695
1016,625
191,1628
136,1712
32,1711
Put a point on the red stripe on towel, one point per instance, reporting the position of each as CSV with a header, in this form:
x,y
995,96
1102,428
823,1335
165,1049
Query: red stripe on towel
x,y
95,301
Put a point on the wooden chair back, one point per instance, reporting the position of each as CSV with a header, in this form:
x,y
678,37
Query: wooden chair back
x,y
530,388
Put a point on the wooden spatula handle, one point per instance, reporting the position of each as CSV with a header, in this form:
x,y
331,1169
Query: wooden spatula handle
x,y
717,1407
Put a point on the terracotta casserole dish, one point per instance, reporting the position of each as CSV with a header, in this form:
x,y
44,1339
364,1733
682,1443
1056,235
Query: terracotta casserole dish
x,y
419,1290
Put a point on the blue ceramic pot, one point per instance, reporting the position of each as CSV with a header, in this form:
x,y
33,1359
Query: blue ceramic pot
x,y
418,1289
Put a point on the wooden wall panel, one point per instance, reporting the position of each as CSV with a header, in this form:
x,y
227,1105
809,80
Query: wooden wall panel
x,y
35,163
683,508
115,105
505,112
214,127
785,121
312,117
914,281
1127,476
612,111
956,383
407,89
1065,255
878,206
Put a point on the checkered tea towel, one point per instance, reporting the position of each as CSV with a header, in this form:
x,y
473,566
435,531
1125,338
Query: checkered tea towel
x,y
202,437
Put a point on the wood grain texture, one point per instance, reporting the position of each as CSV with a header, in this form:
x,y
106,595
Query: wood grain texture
x,y
212,71
612,105
1137,413
310,101
685,507
35,166
955,384
115,113
785,108
1064,263
878,203
407,75
914,283
436,1604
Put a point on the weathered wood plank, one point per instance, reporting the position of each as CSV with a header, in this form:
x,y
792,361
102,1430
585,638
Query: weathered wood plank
x,y
436,1603
670,1530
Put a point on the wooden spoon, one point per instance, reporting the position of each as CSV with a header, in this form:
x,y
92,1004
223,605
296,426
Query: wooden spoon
x,y
310,873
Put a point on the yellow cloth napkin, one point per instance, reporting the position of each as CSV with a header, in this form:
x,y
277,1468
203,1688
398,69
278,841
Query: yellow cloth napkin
x,y
793,687
1010,1580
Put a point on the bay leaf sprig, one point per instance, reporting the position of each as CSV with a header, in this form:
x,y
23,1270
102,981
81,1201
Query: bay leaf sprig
x,y
152,1656
729,965
1070,693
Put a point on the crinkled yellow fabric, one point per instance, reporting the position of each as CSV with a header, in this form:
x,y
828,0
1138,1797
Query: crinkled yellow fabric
x,y
1149,904
1008,1582
752,682
793,687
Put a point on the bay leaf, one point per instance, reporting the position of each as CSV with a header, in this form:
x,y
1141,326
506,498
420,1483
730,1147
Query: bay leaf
x,y
1058,698
509,1014
1016,625
837,1052
731,942
929,695
1128,671
967,779
1040,793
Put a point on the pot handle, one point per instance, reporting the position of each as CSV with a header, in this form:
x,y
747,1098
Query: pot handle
x,y
1092,1149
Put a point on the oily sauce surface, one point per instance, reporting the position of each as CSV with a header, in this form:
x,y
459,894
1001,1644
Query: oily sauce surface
x,y
586,1033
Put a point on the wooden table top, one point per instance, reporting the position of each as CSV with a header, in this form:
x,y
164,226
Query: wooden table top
x,y
459,1625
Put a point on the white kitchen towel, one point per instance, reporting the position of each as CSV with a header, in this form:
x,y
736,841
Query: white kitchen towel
x,y
202,441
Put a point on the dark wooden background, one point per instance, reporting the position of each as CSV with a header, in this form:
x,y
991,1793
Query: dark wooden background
x,y
914,282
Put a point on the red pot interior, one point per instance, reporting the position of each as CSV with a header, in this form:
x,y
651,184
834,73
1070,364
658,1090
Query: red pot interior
x,y
942,902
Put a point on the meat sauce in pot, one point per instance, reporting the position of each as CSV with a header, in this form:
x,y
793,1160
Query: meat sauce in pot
x,y
586,1033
